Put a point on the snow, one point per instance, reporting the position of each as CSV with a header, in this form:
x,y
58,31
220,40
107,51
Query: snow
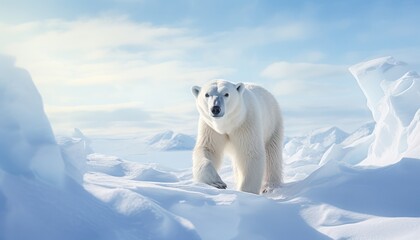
x,y
170,141
363,199
395,105
304,154
27,143
42,197
362,185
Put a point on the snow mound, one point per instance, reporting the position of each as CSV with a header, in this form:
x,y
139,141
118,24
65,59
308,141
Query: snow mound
x,y
361,132
170,141
353,149
75,150
362,203
357,190
27,144
312,146
302,155
327,136
394,102
117,167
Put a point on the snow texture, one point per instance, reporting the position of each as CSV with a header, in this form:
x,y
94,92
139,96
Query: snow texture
x,y
394,101
27,145
170,141
338,185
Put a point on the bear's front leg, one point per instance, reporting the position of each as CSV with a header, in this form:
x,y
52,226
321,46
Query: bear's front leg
x,y
204,171
207,156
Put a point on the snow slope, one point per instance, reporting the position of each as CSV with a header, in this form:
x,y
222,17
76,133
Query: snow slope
x,y
348,192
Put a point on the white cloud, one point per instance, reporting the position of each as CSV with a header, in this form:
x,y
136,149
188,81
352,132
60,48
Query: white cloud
x,y
106,60
93,33
309,78
302,71
269,33
313,95
312,56
97,116
109,49
97,62
289,87
149,73
289,31
99,50
231,46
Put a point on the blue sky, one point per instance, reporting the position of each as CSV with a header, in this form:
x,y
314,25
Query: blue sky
x,y
126,66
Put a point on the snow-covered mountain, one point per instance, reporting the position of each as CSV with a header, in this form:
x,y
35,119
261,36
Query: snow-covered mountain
x,y
362,185
170,141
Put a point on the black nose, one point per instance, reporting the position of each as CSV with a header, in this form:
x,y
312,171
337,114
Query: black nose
x,y
216,110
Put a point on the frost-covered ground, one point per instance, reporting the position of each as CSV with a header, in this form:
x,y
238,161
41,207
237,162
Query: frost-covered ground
x,y
360,185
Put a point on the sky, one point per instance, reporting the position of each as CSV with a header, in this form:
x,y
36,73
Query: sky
x,y
126,67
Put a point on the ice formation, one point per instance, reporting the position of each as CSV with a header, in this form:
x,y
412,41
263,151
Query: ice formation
x,y
27,144
393,96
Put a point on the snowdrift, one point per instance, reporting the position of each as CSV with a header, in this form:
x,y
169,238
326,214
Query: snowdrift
x,y
338,185
27,145
393,95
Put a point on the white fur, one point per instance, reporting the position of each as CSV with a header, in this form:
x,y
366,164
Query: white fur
x,y
250,132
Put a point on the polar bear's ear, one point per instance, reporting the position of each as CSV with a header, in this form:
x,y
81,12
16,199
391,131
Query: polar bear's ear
x,y
240,87
195,90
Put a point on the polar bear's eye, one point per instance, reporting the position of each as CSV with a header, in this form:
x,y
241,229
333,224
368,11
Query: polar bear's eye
x,y
226,94
207,95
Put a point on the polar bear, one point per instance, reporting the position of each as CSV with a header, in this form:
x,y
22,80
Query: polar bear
x,y
243,121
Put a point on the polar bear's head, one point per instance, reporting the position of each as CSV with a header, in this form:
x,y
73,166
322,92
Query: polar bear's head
x,y
218,99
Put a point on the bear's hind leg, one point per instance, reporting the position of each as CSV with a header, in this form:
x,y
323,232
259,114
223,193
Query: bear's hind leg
x,y
273,171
